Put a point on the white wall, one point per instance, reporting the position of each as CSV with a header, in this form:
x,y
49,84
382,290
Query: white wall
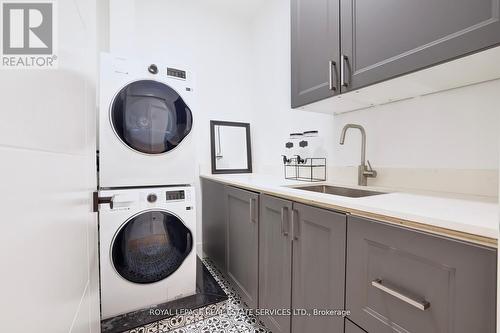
x,y
451,129
213,44
445,141
273,119
240,53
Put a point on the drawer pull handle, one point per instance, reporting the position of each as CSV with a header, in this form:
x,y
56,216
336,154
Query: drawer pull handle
x,y
343,62
284,216
332,72
419,304
252,210
295,224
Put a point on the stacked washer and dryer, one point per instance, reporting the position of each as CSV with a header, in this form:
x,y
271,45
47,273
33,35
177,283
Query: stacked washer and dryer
x,y
147,152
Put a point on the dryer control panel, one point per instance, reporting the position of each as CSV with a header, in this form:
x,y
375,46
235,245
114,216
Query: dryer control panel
x,y
176,73
175,195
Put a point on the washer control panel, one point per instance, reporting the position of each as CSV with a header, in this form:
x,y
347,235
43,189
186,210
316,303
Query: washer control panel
x,y
162,198
175,195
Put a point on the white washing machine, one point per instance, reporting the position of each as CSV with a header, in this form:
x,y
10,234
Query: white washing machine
x,y
146,124
147,253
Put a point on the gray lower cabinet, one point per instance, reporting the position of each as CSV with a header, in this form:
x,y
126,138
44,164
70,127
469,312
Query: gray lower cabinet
x,y
318,268
384,39
315,44
352,328
314,240
275,261
399,280
242,248
214,222
280,255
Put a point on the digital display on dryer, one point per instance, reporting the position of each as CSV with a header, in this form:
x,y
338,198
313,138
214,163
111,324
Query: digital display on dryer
x,y
180,74
175,195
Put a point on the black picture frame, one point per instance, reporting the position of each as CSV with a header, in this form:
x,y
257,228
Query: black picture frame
x,y
214,123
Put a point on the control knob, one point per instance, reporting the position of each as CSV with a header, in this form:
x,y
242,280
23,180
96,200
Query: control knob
x,y
152,197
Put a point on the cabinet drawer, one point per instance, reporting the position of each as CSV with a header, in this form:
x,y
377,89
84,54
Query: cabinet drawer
x,y
399,280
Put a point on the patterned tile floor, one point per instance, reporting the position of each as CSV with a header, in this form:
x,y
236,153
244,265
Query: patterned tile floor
x,y
230,317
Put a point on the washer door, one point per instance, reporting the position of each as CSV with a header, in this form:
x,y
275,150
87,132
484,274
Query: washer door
x,y
150,247
150,117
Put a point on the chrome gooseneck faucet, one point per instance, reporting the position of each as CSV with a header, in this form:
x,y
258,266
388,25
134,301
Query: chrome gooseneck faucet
x,y
364,171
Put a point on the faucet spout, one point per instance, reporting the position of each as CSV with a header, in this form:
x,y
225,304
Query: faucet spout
x,y
363,139
363,171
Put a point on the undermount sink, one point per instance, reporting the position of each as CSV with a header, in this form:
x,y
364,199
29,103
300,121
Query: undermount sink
x,y
337,190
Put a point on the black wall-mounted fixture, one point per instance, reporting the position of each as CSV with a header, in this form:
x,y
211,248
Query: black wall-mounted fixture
x,y
216,155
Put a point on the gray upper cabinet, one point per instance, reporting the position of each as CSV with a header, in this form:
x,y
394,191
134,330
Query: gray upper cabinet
x,y
275,261
399,280
315,45
214,222
318,269
342,45
242,252
387,38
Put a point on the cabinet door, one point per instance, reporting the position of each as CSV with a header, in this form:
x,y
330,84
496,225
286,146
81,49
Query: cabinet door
x,y
275,256
242,243
318,267
315,41
400,280
386,38
214,222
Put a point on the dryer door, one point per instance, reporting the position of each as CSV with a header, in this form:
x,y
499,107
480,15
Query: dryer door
x,y
150,246
150,117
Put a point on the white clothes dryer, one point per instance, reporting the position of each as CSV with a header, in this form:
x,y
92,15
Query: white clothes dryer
x,y
146,124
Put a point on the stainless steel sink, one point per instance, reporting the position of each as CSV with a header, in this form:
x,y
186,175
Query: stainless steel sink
x,y
337,190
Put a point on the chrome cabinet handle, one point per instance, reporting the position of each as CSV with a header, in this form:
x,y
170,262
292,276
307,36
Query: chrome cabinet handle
x,y
343,61
252,210
295,224
331,71
413,301
284,216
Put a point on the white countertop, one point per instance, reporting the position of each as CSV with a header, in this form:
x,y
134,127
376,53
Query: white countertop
x,y
460,214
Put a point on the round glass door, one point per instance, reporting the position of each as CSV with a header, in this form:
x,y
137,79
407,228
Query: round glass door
x,y
150,247
150,117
